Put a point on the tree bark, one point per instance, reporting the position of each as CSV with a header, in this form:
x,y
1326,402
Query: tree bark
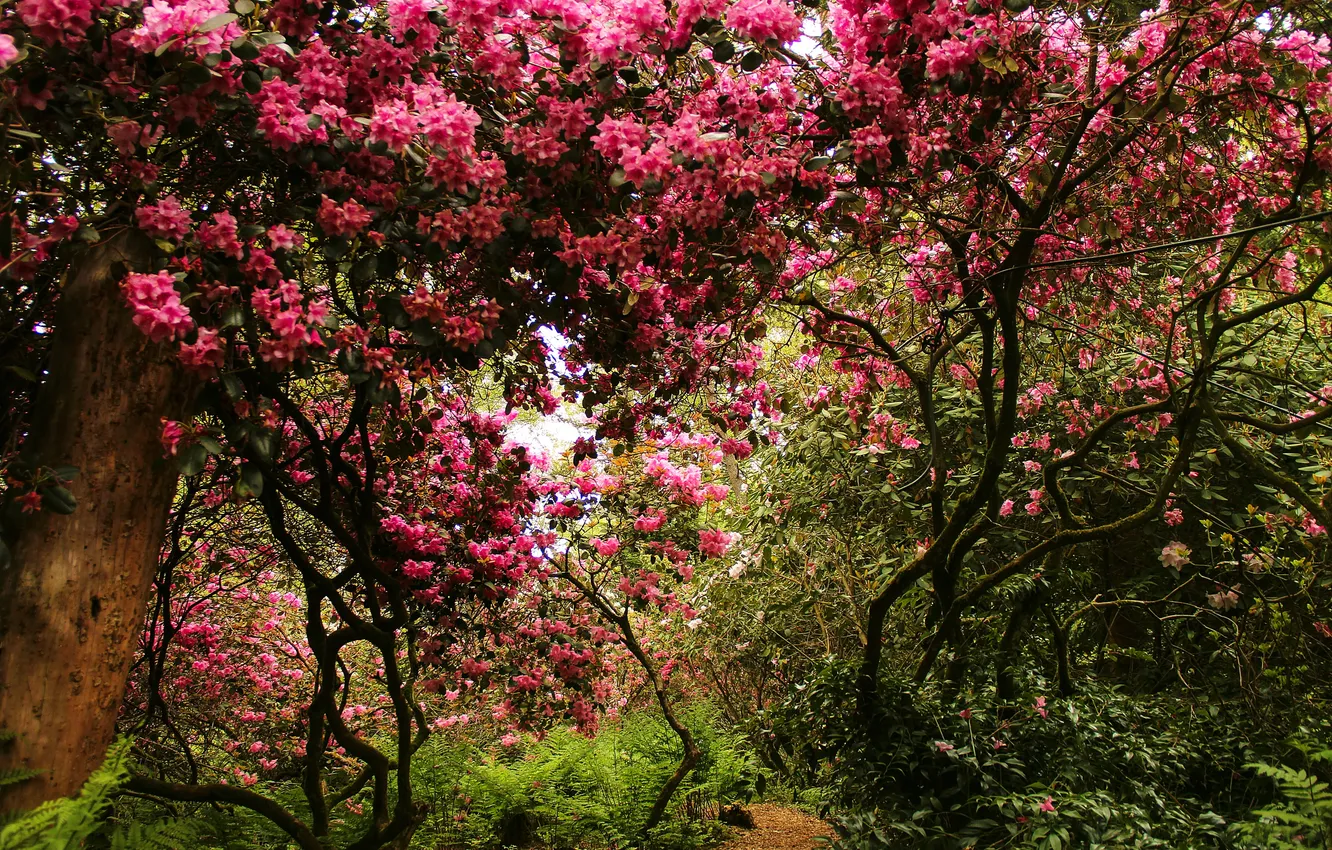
x,y
72,600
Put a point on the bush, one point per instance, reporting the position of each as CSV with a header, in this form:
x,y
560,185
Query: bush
x,y
1103,768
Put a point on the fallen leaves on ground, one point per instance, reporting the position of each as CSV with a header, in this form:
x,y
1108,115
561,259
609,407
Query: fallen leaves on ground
x,y
779,828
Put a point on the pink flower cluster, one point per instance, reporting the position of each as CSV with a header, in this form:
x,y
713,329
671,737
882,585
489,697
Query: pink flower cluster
x,y
761,20
165,220
58,21
347,219
158,311
713,543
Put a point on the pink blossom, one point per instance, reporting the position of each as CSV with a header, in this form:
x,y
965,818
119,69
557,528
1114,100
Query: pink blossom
x,y
1006,509
606,548
281,238
1175,555
172,433
949,57
760,20
165,219
1047,805
205,353
9,53
346,219
451,125
713,543
57,21
1034,506
158,310
393,125
1224,600
165,20
220,235
650,521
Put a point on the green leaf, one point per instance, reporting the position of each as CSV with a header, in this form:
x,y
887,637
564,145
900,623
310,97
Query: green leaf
x,y
244,7
58,500
191,460
245,49
217,22
251,481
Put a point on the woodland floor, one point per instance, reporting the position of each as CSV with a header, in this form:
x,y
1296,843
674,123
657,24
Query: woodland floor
x,y
779,828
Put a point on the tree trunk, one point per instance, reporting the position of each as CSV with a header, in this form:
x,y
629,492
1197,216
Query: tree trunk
x,y
72,600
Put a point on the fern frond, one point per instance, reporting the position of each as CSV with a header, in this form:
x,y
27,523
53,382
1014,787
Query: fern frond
x,y
16,775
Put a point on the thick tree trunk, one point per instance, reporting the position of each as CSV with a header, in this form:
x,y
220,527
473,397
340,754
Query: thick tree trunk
x,y
72,600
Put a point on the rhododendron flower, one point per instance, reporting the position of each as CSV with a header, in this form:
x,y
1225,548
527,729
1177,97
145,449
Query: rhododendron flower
x,y
31,501
944,746
158,310
1006,509
164,20
1047,805
9,52
760,20
205,353
650,521
172,433
282,238
220,235
949,57
606,548
57,21
510,739
740,449
1034,506
165,219
1039,705
713,543
1175,555
346,219
1224,600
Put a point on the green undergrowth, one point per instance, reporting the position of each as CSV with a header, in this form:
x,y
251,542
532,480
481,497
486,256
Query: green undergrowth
x,y
568,791
560,792
1102,768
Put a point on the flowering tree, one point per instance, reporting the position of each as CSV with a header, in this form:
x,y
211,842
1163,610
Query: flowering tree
x,y
1070,236
629,544
299,203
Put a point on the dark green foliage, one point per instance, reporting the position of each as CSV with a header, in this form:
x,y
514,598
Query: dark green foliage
x,y
1119,770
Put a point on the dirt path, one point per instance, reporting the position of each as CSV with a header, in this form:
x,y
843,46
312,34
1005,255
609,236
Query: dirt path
x,y
779,828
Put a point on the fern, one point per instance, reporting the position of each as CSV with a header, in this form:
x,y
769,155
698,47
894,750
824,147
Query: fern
x,y
70,822
16,775
1302,816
